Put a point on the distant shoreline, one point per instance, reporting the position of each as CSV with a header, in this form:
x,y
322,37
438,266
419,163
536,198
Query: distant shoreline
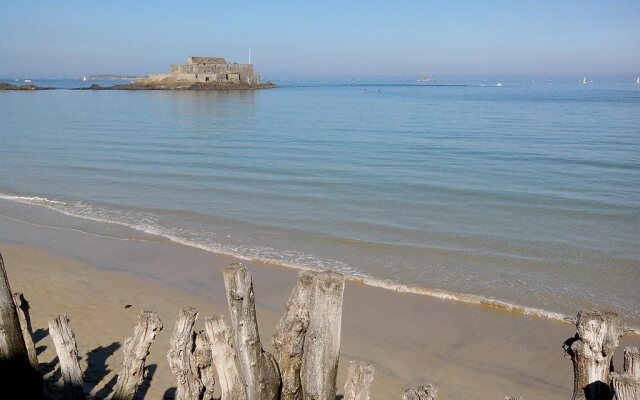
x,y
111,77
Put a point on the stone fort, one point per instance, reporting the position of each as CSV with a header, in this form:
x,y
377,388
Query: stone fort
x,y
210,69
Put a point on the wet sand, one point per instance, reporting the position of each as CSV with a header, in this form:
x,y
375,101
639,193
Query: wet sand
x,y
467,351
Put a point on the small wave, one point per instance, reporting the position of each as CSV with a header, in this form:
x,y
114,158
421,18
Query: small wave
x,y
32,200
466,298
71,229
147,223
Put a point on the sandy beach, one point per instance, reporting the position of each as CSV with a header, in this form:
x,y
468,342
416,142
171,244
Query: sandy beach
x,y
467,351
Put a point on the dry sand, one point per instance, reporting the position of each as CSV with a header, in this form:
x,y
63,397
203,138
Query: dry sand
x,y
467,351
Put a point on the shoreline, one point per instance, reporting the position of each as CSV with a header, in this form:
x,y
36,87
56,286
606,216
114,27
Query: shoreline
x,y
397,287
465,350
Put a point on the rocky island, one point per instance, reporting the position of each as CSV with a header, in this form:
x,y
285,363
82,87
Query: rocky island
x,y
9,86
199,73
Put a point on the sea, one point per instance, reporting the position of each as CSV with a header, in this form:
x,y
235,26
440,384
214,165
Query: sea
x,y
524,195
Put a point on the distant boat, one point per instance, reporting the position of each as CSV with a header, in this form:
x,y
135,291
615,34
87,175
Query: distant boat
x,y
638,80
84,78
27,80
425,79
498,84
584,80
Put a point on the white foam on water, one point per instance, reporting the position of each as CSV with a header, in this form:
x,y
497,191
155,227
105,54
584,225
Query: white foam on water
x,y
148,223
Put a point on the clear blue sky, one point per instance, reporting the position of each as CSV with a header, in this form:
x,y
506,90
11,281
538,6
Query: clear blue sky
x,y
326,39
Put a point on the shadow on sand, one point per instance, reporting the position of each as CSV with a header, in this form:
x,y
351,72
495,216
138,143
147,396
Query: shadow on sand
x,y
95,372
97,365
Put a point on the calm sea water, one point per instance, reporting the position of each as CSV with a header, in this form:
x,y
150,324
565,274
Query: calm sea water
x,y
527,193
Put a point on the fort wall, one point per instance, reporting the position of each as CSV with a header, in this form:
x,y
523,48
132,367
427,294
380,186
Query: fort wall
x,y
210,69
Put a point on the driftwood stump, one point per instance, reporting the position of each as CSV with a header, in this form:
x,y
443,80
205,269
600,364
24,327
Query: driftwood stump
x,y
322,341
67,350
632,361
16,370
422,392
359,381
204,365
181,347
223,355
136,349
22,307
626,385
591,350
258,368
288,339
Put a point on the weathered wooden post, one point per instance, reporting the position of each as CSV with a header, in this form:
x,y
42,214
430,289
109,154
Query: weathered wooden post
x,y
626,385
136,349
203,362
258,368
632,361
67,350
181,351
22,307
422,392
322,341
359,381
16,371
224,358
288,339
591,350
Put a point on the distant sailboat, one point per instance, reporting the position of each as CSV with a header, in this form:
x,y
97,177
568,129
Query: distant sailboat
x,y
638,81
584,80
84,78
